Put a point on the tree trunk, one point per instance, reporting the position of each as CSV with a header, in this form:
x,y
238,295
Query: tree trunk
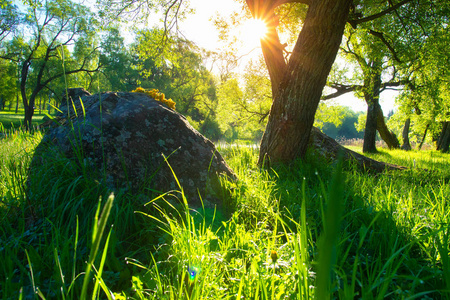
x,y
330,149
17,104
28,104
405,134
273,55
372,84
370,132
295,103
49,107
443,142
28,107
29,112
423,137
44,103
388,136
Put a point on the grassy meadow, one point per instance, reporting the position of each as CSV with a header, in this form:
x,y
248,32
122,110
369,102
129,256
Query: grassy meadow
x,y
313,229
11,120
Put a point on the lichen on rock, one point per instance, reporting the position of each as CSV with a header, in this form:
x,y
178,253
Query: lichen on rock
x,y
133,138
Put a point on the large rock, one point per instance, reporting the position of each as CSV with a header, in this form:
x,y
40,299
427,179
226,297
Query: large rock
x,y
130,135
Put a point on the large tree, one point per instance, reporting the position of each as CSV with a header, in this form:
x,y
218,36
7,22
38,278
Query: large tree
x,y
297,85
286,135
386,52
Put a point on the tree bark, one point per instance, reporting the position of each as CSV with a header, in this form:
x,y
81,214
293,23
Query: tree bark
x,y
372,84
405,134
17,103
375,118
272,51
388,136
443,142
28,105
330,149
423,137
295,103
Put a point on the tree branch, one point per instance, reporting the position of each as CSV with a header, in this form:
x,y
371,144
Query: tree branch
x,y
381,37
261,8
354,23
340,90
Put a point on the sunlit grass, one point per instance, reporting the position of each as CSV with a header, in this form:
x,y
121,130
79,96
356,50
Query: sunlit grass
x,y
391,239
424,159
11,120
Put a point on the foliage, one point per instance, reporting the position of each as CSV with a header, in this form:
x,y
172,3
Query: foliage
x,y
426,100
8,84
244,103
53,27
338,122
176,68
120,72
9,18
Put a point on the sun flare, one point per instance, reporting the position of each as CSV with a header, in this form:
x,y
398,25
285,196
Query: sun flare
x,y
256,27
253,30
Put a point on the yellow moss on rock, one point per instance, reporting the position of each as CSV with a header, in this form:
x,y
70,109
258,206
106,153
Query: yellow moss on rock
x,y
157,95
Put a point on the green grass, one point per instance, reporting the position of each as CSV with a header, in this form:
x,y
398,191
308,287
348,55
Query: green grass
x,y
304,231
11,120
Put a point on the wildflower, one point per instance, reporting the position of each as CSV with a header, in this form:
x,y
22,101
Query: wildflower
x,y
274,256
155,94
138,90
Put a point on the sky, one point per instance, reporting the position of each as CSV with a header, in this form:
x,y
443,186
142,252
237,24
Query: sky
x,y
200,29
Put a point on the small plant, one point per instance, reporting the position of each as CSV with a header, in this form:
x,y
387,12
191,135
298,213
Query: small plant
x,y
157,95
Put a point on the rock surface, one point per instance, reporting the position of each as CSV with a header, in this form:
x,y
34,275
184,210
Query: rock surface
x,y
128,136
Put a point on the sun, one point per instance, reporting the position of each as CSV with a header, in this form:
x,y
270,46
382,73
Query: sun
x,y
252,31
256,27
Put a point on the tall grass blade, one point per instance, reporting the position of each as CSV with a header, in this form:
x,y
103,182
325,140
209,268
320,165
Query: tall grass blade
x,y
328,241
99,279
31,272
61,275
99,226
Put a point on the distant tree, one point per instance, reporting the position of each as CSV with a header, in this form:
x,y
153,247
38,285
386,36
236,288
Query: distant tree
x,y
387,52
344,128
425,100
244,103
8,82
54,26
120,63
405,135
177,68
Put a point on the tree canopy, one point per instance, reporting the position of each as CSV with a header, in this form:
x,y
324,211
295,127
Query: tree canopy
x,y
388,43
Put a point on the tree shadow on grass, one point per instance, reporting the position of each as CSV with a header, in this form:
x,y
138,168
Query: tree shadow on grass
x,y
384,244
